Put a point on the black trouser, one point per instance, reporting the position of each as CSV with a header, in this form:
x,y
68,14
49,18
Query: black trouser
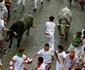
x,y
82,5
70,1
8,8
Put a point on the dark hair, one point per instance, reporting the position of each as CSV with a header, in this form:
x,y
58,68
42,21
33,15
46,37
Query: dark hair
x,y
40,59
51,18
84,48
47,44
84,32
60,47
20,50
79,33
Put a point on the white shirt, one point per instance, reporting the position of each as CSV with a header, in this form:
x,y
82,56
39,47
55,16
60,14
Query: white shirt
x,y
46,55
1,24
17,62
42,67
50,28
60,55
70,63
2,3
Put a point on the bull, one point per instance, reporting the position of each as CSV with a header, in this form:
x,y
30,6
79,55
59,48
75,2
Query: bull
x,y
64,20
18,28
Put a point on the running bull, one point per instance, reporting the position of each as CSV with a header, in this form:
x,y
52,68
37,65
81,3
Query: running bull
x,y
64,21
18,28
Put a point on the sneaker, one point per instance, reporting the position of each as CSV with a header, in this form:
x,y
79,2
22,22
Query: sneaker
x,y
14,10
1,48
23,6
34,10
4,50
41,2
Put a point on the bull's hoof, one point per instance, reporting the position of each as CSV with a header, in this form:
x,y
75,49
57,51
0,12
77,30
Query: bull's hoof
x,y
9,46
27,34
18,46
34,10
42,3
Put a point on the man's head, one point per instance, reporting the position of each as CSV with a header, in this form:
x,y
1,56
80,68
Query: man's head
x,y
1,0
78,34
51,18
72,52
40,59
60,48
21,51
46,47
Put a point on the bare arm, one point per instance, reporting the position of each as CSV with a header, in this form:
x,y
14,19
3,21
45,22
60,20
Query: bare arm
x,y
82,57
56,55
5,29
63,65
75,66
35,55
74,41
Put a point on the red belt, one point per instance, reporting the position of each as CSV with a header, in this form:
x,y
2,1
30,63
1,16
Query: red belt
x,y
25,69
83,68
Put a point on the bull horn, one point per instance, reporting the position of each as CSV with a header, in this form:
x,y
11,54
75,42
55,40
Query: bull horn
x,y
68,25
15,33
34,26
58,23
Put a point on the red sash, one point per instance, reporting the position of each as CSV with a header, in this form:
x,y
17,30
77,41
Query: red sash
x,y
39,64
48,66
47,34
83,68
25,68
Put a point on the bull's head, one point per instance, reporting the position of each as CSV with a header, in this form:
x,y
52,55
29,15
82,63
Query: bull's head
x,y
62,27
10,34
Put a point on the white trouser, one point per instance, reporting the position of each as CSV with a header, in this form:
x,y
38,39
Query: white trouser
x,y
4,11
51,41
21,1
58,66
78,50
35,3
16,68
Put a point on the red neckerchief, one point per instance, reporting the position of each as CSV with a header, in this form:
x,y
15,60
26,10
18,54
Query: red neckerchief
x,y
25,69
39,64
4,19
71,57
83,37
69,69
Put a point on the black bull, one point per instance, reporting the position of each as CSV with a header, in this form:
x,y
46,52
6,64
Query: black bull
x,y
18,28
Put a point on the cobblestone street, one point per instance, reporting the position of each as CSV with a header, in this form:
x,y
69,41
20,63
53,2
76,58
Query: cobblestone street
x,y
36,39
